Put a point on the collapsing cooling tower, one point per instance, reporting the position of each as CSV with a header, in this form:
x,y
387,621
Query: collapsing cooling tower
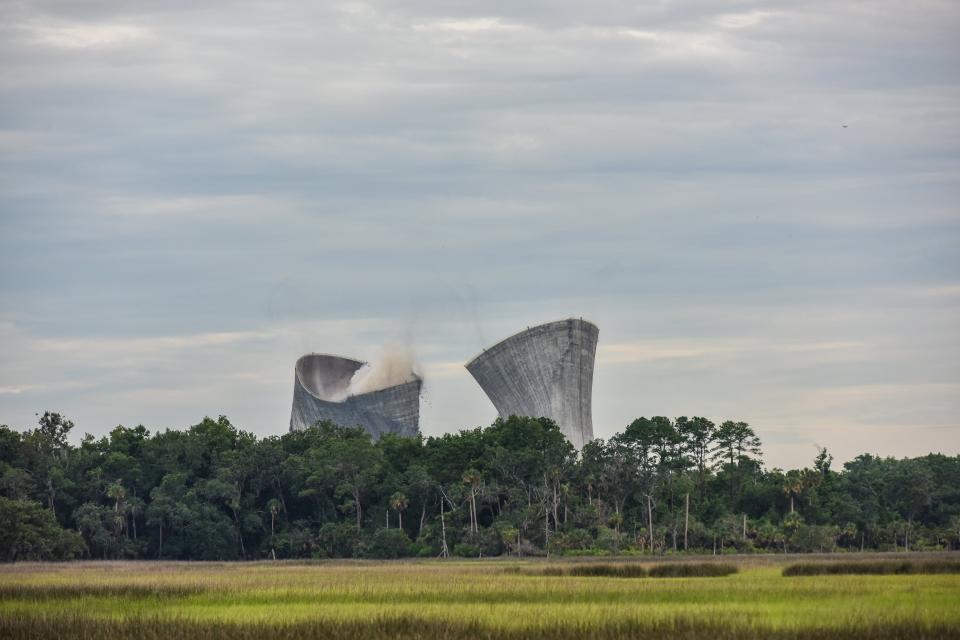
x,y
545,371
322,391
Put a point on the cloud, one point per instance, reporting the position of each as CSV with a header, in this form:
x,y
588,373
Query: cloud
x,y
15,390
468,26
193,195
87,36
745,20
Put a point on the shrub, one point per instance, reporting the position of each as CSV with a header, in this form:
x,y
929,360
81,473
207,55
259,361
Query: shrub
x,y
338,540
573,540
592,570
466,550
609,539
388,543
609,570
876,567
692,570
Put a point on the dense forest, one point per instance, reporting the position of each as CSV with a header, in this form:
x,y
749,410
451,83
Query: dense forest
x,y
214,492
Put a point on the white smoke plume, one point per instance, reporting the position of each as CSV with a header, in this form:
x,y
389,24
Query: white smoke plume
x,y
395,365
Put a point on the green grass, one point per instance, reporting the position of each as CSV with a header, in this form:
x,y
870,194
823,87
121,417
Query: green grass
x,y
450,599
872,567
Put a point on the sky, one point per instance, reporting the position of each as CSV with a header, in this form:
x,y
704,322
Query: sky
x,y
756,202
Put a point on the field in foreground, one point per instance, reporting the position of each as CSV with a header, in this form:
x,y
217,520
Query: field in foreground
x,y
499,599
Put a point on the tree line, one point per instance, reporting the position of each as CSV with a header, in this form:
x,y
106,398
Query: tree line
x,y
661,486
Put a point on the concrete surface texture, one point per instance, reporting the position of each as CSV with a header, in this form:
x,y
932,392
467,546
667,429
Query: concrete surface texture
x,y
545,371
320,392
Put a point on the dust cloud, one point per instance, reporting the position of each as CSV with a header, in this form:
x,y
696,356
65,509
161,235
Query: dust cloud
x,y
395,365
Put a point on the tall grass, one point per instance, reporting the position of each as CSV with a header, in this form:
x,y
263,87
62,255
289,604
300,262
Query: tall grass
x,y
875,567
593,571
635,570
416,628
459,600
692,570
124,591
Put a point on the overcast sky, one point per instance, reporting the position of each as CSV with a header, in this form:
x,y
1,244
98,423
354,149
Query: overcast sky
x,y
756,202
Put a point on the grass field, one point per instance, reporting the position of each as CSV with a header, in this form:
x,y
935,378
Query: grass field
x,y
471,599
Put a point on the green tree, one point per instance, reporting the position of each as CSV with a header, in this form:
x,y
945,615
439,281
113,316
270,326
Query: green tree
x,y
30,532
738,448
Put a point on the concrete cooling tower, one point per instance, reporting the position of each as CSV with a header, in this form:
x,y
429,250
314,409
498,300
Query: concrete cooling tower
x,y
545,371
322,391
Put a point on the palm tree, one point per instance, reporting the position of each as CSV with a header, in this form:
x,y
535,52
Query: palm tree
x,y
793,486
274,506
399,502
472,478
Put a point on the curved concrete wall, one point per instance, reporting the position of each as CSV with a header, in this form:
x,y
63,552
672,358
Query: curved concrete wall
x,y
545,371
319,393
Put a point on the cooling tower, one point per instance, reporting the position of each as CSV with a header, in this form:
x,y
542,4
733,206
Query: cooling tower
x,y
320,392
545,371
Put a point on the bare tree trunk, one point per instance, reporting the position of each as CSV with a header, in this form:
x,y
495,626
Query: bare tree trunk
x,y
279,490
243,550
556,503
473,505
160,548
423,515
273,550
650,519
444,550
686,521
744,526
546,529
51,494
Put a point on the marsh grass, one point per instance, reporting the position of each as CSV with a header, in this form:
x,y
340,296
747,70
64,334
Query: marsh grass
x,y
874,567
469,599
417,628
123,591
693,570
592,571
634,570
